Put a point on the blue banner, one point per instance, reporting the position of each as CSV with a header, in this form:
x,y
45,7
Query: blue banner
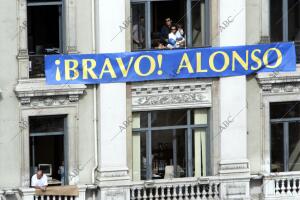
x,y
169,64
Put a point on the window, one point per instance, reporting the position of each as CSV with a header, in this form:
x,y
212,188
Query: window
x,y
47,147
285,136
167,24
285,22
44,33
170,144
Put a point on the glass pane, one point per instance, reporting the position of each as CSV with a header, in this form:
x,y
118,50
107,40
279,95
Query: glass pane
x,y
143,120
277,148
42,1
200,152
138,26
46,124
43,36
282,110
294,146
47,153
199,116
163,18
168,155
197,23
276,21
169,118
143,157
294,25
43,29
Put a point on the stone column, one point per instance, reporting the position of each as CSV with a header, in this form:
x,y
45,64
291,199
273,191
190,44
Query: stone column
x,y
112,174
233,116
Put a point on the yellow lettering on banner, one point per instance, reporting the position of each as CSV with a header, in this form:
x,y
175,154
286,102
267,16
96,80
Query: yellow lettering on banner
x,y
68,69
198,57
256,59
137,65
122,67
279,58
212,64
88,70
107,68
185,63
237,57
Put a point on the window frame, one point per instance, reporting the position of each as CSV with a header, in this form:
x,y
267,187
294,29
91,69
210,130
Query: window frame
x,y
286,123
189,135
60,4
188,16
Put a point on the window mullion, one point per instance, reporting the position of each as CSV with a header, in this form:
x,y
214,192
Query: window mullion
x,y
149,148
190,145
189,22
285,20
148,24
286,145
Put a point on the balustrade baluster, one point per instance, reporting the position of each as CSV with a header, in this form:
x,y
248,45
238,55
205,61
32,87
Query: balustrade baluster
x,y
277,187
180,192
156,193
139,193
144,193
288,187
168,193
192,192
162,195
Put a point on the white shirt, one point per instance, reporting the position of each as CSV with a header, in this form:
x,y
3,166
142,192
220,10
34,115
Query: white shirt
x,y
35,182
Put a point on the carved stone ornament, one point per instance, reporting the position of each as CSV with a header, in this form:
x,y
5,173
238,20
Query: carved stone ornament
x,y
279,82
36,93
171,94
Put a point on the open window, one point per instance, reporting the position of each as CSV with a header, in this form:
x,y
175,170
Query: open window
x,y
285,22
48,147
44,33
167,24
285,136
170,144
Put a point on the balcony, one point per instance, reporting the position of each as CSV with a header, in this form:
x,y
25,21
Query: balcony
x,y
80,192
177,188
283,185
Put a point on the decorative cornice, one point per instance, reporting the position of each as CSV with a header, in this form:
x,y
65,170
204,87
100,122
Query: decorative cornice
x,y
35,92
279,82
171,94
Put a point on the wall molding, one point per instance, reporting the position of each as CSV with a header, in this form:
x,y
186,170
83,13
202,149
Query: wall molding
x,y
171,94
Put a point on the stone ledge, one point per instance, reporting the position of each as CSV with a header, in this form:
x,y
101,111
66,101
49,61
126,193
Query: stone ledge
x,y
28,89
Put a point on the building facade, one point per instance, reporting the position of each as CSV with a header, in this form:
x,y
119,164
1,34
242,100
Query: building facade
x,y
208,138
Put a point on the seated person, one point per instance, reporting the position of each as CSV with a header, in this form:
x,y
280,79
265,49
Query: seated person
x,y
180,35
165,29
174,41
39,180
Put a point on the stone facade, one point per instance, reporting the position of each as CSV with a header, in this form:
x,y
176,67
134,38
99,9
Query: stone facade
x,y
240,153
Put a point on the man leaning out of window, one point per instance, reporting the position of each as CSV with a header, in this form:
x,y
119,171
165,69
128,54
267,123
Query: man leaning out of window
x,y
39,180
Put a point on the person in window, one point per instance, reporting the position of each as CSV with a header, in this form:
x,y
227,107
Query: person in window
x,y
157,44
39,180
61,171
180,35
138,34
173,41
165,29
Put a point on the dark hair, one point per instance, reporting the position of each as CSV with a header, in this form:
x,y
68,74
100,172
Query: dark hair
x,y
155,43
172,26
179,25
